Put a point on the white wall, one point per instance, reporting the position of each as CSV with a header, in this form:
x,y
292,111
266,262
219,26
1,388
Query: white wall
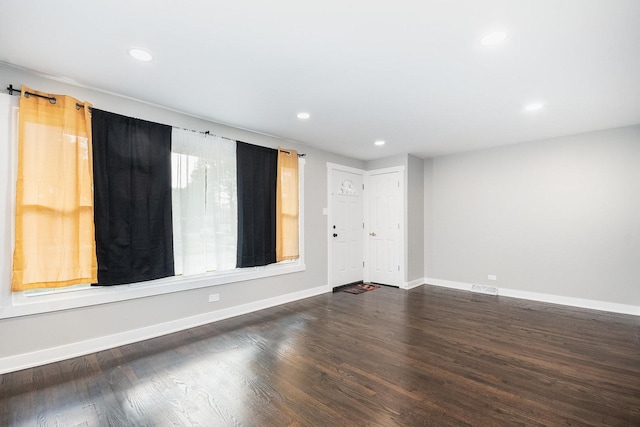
x,y
26,337
558,217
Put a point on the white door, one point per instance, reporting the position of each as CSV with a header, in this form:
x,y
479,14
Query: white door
x,y
385,212
346,234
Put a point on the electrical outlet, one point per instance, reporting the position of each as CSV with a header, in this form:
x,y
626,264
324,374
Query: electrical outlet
x,y
214,297
492,277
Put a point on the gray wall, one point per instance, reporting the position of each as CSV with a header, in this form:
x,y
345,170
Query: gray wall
x,y
32,333
428,218
415,218
387,162
559,216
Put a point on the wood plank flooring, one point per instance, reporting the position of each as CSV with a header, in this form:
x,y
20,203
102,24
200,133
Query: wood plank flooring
x,y
428,356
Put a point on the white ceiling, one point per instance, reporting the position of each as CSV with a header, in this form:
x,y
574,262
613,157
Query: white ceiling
x,y
410,72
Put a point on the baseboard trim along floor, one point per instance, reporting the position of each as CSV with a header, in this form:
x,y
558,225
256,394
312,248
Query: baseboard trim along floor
x,y
541,297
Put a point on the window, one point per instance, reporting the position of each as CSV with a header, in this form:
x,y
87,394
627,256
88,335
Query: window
x,y
287,206
54,217
205,217
44,300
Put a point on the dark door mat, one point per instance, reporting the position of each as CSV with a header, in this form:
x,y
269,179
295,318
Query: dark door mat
x,y
359,289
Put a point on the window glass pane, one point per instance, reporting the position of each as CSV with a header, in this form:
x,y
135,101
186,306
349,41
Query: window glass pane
x,y
204,202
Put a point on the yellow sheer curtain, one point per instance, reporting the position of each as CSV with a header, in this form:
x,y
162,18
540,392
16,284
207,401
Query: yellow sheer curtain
x,y
55,239
287,205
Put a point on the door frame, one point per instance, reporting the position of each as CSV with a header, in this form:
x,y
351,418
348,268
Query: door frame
x,y
401,283
331,167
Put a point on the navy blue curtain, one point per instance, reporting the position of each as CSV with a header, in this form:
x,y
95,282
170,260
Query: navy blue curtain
x,y
256,172
132,194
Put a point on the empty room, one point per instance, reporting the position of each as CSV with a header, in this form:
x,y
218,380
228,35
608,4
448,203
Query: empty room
x,y
320,213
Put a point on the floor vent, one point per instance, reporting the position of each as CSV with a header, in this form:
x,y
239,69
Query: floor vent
x,y
484,289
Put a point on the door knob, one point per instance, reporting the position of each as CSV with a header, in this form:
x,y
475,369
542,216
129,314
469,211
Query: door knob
x,y
335,235
372,234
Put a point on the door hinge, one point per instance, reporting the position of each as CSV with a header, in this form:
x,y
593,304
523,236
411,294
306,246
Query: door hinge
x,y
363,186
398,268
398,184
363,263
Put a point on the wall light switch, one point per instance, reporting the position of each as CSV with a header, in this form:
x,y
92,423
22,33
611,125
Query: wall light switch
x,y
492,277
214,297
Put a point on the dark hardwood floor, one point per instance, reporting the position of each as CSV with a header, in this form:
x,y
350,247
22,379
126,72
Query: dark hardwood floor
x,y
429,356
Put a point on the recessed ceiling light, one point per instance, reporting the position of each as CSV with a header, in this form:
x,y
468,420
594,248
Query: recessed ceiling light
x,y
493,38
140,54
304,115
533,106
379,143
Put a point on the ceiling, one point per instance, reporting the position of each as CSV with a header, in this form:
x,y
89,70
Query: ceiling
x,y
412,73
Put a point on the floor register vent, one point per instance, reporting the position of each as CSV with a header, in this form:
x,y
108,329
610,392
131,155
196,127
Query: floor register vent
x,y
484,289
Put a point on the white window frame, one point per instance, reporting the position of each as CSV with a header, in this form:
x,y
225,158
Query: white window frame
x,y
15,304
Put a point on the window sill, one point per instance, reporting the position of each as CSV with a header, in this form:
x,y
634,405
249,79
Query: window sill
x,y
24,305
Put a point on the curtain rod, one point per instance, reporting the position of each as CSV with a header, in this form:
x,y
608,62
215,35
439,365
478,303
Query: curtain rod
x,y
229,139
51,99
289,153
206,132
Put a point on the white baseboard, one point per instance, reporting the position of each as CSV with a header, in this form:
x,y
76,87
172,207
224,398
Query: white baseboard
x,y
574,302
553,299
448,284
414,283
55,354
